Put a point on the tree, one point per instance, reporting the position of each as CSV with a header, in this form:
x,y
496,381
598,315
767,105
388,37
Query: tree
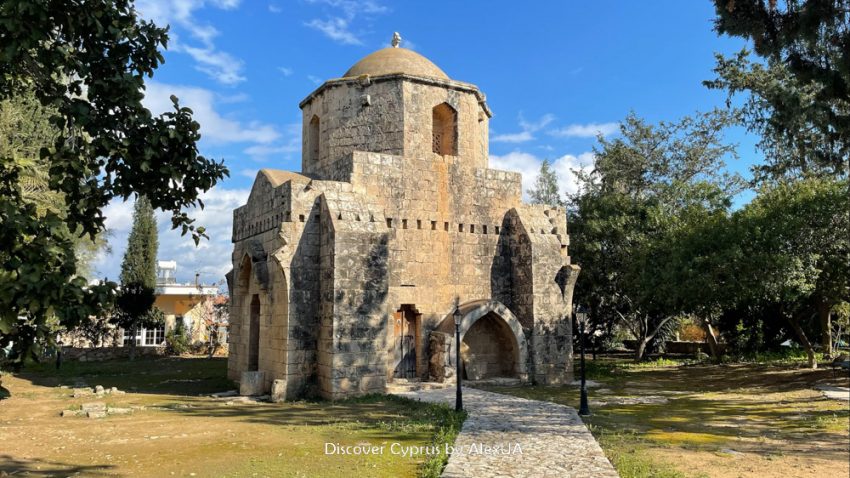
x,y
795,240
647,185
799,83
545,190
86,60
24,129
138,273
214,313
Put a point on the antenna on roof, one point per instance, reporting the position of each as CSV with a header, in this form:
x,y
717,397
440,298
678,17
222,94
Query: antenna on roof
x,y
396,40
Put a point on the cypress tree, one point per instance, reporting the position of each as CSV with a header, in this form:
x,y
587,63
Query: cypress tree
x,y
139,265
138,274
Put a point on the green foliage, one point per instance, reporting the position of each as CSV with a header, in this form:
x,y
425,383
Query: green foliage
x,y
139,264
793,251
797,83
545,190
37,275
176,339
86,61
649,187
24,129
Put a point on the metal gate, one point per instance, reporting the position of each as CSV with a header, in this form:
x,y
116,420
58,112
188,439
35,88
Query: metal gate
x,y
407,365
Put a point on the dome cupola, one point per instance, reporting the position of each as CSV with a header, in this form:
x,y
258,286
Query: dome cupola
x,y
393,60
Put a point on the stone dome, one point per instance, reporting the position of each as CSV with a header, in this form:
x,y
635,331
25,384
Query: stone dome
x,y
395,60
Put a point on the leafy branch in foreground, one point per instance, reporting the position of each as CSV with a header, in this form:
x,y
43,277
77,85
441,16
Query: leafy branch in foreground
x,y
86,60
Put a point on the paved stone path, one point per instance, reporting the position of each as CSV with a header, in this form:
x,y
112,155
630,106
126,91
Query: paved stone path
x,y
529,438
835,393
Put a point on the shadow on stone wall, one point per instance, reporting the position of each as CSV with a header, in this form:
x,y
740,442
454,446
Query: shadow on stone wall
x,y
501,272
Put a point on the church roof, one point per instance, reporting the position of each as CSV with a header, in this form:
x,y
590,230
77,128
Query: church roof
x,y
277,176
392,60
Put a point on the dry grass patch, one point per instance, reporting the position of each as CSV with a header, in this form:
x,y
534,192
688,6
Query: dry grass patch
x,y
182,433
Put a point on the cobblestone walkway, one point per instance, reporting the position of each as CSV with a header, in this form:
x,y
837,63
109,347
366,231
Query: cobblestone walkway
x,y
528,438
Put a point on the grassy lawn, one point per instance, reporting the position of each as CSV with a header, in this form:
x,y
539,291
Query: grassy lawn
x,y
182,432
752,420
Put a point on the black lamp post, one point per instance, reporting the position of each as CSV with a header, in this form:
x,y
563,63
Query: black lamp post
x,y
581,318
459,396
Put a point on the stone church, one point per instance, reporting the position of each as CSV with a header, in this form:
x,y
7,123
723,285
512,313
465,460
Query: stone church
x,y
346,274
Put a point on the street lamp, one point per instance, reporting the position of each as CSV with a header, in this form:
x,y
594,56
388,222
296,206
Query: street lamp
x,y
459,396
581,318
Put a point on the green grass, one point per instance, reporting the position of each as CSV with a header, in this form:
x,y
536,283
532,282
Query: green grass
x,y
170,375
628,453
441,421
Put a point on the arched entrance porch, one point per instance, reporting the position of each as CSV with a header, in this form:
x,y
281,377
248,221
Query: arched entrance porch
x,y
493,343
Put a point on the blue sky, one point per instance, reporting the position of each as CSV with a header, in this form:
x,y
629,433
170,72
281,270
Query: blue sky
x,y
554,74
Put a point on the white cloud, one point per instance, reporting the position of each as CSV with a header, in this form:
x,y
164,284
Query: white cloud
x,y
211,258
275,8
337,27
214,127
286,71
589,130
352,8
218,65
180,14
287,147
513,137
314,79
528,129
528,165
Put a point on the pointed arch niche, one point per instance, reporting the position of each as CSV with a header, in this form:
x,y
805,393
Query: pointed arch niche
x,y
444,130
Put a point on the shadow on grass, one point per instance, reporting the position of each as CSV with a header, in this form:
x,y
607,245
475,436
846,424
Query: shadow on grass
x,y
11,466
165,375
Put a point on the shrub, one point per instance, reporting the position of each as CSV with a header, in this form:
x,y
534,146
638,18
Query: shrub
x,y
176,340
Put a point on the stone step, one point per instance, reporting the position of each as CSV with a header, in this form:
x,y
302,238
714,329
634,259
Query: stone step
x,y
402,385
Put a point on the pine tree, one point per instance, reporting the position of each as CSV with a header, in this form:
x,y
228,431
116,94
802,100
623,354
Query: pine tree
x,y
138,273
545,190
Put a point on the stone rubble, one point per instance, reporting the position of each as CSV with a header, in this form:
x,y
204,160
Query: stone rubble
x,y
99,390
553,440
98,410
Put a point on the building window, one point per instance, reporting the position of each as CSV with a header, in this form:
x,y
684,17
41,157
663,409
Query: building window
x,y
313,139
127,338
444,130
154,336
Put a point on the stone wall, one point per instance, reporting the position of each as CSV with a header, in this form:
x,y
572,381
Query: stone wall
x,y
84,354
487,350
680,346
440,368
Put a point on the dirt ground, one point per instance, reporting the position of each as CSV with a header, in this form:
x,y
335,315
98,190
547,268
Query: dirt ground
x,y
181,433
726,421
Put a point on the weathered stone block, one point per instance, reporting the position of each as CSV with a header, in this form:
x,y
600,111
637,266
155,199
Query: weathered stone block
x,y
252,383
278,390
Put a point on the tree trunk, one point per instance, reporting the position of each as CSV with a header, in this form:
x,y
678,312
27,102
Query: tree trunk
x,y
643,342
711,340
795,325
825,317
641,348
132,344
